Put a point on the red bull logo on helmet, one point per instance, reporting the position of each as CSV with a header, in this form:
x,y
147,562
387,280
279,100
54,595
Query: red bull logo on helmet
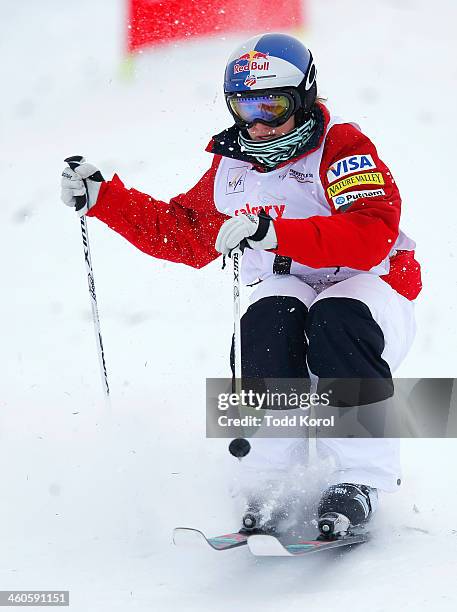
x,y
251,61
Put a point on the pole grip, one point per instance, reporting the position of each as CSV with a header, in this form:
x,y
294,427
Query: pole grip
x,y
74,161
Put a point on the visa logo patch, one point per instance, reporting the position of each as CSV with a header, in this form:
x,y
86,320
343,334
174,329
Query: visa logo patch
x,y
347,165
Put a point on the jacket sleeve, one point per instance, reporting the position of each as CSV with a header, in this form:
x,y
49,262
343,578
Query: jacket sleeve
x,y
365,205
183,230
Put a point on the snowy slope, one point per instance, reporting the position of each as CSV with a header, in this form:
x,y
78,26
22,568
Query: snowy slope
x,y
90,494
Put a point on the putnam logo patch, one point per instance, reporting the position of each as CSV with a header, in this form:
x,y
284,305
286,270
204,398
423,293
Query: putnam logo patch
x,y
367,178
349,198
348,165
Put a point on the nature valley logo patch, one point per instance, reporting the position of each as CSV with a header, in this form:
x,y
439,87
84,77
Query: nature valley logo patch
x,y
367,178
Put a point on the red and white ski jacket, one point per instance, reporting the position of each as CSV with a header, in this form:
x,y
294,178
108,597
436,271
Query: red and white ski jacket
x,y
336,211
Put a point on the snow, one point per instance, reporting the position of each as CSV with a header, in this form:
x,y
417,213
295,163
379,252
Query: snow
x,y
91,493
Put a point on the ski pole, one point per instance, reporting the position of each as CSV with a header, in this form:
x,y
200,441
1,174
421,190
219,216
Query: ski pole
x,y
74,162
236,257
239,447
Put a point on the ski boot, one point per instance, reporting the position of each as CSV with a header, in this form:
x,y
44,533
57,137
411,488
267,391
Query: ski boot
x,y
267,518
344,506
256,520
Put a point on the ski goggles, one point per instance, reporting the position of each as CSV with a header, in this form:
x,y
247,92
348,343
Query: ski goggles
x,y
270,108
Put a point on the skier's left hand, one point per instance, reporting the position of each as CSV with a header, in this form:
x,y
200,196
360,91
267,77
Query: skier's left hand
x,y
256,232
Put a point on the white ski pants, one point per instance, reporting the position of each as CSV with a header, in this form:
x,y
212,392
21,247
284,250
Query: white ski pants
x,y
370,461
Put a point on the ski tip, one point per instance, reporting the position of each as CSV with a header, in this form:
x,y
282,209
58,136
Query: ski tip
x,y
184,536
187,536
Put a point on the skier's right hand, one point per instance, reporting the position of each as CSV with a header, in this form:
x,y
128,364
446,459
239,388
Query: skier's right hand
x,y
80,184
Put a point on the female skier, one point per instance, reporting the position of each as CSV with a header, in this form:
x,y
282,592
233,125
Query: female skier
x,y
319,211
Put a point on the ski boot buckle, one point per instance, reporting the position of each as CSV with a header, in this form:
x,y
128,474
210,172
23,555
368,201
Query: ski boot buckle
x,y
333,525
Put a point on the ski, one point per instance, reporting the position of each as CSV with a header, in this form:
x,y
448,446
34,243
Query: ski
x,y
269,546
262,545
187,536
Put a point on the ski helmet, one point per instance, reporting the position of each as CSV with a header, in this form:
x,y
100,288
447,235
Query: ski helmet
x,y
277,67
